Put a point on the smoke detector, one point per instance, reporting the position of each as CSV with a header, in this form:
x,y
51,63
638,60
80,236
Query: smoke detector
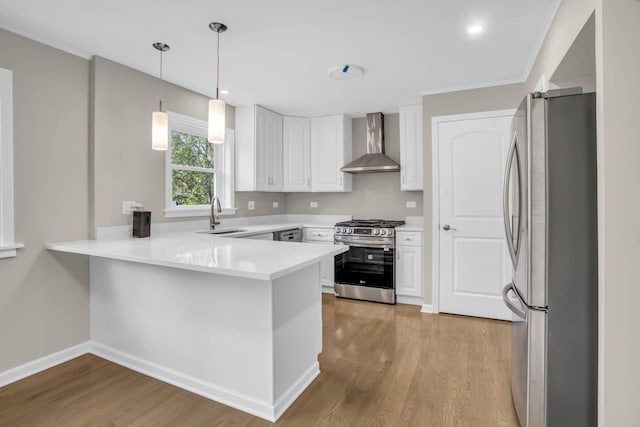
x,y
346,72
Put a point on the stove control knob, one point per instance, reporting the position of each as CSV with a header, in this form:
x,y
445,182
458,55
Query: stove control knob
x,y
383,232
344,230
376,232
350,230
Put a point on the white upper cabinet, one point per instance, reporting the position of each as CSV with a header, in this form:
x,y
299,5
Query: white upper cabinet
x,y
297,154
411,147
330,150
258,149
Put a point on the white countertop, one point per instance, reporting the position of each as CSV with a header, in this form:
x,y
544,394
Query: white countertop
x,y
410,227
255,259
248,230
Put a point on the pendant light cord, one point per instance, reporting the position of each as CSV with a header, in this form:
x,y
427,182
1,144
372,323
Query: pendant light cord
x,y
218,66
161,85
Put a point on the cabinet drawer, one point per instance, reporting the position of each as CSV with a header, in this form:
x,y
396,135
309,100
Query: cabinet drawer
x,y
408,238
317,234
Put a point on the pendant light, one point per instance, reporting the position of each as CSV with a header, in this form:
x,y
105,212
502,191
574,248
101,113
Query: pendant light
x,y
159,119
217,106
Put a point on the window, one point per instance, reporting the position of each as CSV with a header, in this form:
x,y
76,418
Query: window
x,y
196,170
7,244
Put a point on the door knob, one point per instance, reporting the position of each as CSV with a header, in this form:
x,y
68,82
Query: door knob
x,y
447,227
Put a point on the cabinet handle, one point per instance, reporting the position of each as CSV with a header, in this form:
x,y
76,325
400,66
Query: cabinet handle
x,y
340,180
398,254
403,179
308,183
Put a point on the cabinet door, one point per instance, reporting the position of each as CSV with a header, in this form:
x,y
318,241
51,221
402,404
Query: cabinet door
x,y
297,154
326,272
330,150
274,155
411,147
409,270
262,159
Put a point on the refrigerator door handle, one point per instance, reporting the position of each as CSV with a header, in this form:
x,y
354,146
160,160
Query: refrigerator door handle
x,y
507,301
505,201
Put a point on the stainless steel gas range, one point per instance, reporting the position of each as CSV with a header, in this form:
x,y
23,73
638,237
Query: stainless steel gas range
x,y
367,270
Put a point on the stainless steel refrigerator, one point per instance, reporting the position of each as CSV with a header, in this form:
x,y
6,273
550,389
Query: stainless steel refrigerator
x,y
551,230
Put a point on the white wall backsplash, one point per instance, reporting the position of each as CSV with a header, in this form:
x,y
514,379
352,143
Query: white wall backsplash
x,y
124,231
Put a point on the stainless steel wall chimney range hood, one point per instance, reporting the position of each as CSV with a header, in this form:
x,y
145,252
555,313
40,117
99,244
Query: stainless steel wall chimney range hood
x,y
375,159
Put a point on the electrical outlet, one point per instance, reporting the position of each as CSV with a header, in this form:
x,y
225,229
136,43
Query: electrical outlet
x,y
251,205
128,207
411,204
313,204
276,204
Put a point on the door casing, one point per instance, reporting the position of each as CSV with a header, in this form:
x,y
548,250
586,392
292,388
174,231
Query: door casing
x,y
435,214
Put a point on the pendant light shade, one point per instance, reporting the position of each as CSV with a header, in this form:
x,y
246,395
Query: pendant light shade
x,y
217,122
160,119
159,130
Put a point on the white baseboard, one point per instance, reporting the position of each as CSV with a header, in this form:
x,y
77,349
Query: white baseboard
x,y
328,290
296,389
244,403
43,363
427,308
405,299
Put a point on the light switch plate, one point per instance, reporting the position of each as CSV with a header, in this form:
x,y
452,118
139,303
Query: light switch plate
x,y
313,204
411,204
275,204
251,205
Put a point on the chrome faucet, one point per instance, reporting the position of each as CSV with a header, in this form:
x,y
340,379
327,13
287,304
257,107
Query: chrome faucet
x,y
215,212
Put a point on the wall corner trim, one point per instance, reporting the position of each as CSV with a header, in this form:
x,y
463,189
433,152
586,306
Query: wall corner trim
x,y
35,366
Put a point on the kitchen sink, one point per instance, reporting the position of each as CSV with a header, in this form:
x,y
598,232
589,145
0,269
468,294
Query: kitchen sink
x,y
225,231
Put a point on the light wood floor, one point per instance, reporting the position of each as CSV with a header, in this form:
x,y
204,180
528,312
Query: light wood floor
x,y
381,366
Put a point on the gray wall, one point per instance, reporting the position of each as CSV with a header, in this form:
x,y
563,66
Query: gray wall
x,y
375,195
618,68
567,24
44,296
460,102
124,166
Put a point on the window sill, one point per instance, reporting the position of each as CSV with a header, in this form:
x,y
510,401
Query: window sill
x,y
9,251
195,211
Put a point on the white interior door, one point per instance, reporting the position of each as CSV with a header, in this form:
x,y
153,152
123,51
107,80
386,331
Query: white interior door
x,y
473,257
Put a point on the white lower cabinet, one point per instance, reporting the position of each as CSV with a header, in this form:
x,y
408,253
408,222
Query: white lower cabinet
x,y
327,265
409,264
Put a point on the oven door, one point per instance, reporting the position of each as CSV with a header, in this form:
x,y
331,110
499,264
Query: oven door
x,y
366,266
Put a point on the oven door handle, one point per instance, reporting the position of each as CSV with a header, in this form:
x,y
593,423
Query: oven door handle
x,y
367,245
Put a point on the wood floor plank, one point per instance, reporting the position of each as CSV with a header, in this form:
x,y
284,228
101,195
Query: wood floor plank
x,y
381,365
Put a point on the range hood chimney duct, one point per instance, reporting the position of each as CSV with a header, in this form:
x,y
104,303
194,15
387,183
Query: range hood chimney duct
x,y
375,160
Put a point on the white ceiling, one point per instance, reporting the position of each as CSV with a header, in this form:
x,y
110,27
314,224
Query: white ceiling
x,y
278,53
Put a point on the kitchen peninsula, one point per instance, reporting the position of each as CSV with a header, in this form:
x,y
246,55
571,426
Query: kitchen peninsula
x,y
235,320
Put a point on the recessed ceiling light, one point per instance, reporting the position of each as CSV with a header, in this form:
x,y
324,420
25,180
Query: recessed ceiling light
x,y
475,29
224,91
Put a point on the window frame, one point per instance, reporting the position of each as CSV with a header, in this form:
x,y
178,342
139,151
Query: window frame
x,y
222,169
8,245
